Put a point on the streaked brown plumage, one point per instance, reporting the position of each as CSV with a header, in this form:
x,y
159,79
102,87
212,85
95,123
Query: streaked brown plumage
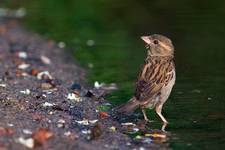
x,y
156,78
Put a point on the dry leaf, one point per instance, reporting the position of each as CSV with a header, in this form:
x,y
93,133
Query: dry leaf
x,y
103,115
41,136
5,131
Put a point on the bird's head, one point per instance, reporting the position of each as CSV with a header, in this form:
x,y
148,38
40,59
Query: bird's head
x,y
158,45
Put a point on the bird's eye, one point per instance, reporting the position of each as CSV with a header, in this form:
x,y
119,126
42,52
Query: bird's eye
x,y
156,42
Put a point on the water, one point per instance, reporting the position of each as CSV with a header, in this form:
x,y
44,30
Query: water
x,y
196,108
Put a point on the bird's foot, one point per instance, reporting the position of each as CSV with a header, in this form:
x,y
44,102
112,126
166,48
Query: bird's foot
x,y
164,126
149,121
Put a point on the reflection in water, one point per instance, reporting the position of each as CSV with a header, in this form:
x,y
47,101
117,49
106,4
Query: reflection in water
x,y
143,132
115,26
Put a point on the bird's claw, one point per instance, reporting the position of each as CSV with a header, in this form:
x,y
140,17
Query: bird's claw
x,y
149,121
164,126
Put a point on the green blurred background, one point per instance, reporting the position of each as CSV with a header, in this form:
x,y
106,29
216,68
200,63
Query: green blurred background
x,y
107,34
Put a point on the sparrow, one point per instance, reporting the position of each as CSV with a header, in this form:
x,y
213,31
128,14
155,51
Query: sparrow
x,y
156,78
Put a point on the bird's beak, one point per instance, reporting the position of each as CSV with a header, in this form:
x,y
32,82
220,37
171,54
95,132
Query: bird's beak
x,y
146,39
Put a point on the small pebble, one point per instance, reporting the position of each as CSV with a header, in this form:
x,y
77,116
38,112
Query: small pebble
x,y
93,121
26,92
141,148
23,66
86,131
45,60
44,75
29,143
128,124
128,143
74,98
10,124
3,85
26,131
22,55
47,104
60,125
112,128
83,122
68,133
76,86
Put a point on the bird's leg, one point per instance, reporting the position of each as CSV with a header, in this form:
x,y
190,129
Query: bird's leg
x,y
164,127
145,116
158,110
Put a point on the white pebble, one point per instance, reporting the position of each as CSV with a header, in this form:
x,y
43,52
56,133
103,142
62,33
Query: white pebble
x,y
3,85
74,98
41,74
22,55
45,60
47,104
29,143
26,131
23,66
26,92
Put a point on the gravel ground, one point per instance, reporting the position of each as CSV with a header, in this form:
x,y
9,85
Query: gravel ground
x,y
36,77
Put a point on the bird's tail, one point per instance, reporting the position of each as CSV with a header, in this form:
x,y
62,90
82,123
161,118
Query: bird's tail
x,y
130,106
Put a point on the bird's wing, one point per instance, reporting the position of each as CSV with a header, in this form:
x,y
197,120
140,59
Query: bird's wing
x,y
154,75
